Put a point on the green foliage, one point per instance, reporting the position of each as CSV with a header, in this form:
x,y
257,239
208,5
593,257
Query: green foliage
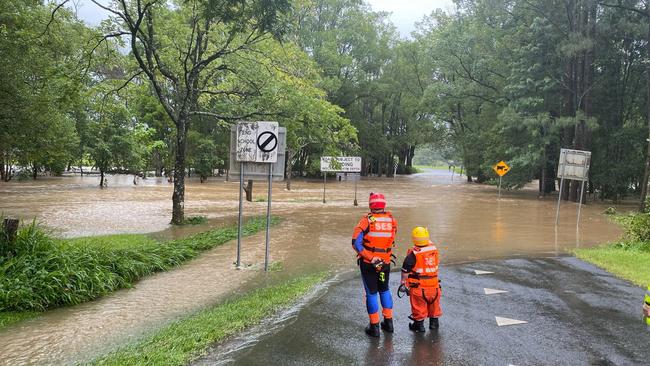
x,y
47,273
636,226
195,220
11,317
187,338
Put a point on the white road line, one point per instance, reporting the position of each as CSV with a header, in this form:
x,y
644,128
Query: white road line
x,y
491,291
507,321
479,272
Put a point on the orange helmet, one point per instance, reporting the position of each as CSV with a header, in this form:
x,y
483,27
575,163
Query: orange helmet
x,y
377,201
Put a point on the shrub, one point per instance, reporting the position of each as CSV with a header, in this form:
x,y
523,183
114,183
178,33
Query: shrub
x,y
636,226
47,273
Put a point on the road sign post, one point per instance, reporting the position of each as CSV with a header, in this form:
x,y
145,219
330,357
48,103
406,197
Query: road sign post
x,y
501,168
340,164
573,165
261,145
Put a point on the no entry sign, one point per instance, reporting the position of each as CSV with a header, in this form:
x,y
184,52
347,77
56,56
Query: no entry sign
x,y
257,142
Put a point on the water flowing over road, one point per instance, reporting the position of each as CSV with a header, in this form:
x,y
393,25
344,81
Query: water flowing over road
x,y
467,221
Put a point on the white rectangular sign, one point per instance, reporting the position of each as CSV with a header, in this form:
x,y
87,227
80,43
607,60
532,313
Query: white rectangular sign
x,y
348,164
257,142
574,164
253,170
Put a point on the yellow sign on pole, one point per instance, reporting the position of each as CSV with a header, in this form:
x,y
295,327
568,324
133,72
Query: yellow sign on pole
x,y
501,168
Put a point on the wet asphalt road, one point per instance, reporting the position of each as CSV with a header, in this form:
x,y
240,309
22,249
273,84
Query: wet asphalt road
x,y
577,314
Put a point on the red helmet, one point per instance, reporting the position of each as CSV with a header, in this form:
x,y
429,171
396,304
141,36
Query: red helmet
x,y
377,201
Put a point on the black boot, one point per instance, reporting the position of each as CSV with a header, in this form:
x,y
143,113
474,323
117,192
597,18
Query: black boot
x,y
373,330
387,325
433,323
417,326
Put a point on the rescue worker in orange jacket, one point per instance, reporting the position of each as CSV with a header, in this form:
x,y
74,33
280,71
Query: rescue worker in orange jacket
x,y
373,240
420,275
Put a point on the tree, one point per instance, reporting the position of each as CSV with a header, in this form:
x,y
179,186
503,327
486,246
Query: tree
x,y
181,49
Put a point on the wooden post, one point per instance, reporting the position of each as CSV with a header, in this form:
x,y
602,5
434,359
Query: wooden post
x,y
248,188
10,231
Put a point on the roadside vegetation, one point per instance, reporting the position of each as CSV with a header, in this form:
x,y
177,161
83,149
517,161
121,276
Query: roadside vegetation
x,y
44,272
187,339
628,258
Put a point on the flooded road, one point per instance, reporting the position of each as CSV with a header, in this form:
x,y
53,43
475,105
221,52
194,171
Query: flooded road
x,y
466,220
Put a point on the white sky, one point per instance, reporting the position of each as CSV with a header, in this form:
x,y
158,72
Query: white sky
x,y
404,13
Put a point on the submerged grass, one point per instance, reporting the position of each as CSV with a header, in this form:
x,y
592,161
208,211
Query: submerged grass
x,y
11,317
187,339
46,272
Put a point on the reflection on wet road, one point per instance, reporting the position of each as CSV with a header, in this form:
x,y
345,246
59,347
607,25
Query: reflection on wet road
x,y
466,220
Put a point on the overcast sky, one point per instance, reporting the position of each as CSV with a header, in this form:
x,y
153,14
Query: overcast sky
x,y
404,13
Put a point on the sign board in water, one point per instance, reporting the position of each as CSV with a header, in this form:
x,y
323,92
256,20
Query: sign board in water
x,y
574,164
347,164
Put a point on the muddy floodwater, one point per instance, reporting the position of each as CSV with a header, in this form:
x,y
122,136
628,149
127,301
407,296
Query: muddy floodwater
x,y
467,221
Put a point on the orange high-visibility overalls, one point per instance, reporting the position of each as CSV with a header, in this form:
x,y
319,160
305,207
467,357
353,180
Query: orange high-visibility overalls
x,y
423,283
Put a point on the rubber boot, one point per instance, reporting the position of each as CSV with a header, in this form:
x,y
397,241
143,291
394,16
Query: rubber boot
x,y
373,330
417,326
433,323
387,325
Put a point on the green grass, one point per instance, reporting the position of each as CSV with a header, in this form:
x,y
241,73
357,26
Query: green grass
x,y
421,168
630,257
187,339
630,264
11,317
47,273
195,220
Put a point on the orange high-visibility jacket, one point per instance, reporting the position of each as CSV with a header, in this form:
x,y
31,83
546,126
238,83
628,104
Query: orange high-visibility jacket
x,y
378,236
425,270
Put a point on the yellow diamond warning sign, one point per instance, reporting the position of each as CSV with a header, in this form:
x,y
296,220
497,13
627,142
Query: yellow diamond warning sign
x,y
501,168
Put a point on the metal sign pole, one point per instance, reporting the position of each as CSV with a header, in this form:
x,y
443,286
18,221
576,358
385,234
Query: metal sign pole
x,y
356,203
324,183
500,187
582,190
559,196
268,219
239,222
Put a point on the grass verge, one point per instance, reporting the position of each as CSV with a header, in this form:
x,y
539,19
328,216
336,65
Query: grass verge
x,y
630,257
187,339
47,272
632,265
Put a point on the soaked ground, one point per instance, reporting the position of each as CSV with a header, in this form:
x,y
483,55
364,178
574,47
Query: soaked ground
x,y
576,314
467,221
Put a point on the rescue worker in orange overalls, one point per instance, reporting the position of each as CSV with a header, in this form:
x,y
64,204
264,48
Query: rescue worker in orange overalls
x,y
373,241
420,276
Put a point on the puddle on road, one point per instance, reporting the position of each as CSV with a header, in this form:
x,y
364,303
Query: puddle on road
x,y
466,221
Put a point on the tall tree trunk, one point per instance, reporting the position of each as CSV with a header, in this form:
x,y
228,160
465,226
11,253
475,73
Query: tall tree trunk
x,y
101,179
34,171
289,167
178,197
646,175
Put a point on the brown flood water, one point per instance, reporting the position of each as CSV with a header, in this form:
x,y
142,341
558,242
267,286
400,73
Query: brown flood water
x,y
466,220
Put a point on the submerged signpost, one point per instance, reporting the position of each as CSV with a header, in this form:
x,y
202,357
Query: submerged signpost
x,y
260,147
574,164
340,164
501,168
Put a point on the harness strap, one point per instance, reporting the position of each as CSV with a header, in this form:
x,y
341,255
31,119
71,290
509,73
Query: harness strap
x,y
377,250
